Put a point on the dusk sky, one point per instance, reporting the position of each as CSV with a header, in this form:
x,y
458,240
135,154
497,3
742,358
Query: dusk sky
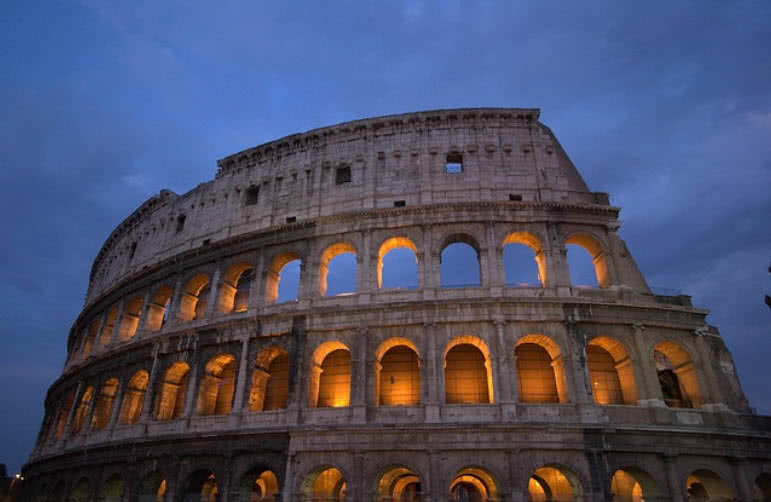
x,y
665,105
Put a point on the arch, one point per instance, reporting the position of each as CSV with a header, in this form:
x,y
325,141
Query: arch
x,y
193,300
133,398
455,261
273,275
324,484
201,486
467,371
132,312
389,245
761,489
91,339
170,404
152,488
270,381
330,375
398,483
258,485
215,396
704,484
82,410
80,491
540,370
631,484
235,288
327,256
611,372
397,373
592,246
532,242
64,412
677,375
104,403
112,489
554,483
473,483
105,337
59,492
158,308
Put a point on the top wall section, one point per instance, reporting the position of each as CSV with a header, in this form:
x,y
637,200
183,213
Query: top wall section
x,y
506,154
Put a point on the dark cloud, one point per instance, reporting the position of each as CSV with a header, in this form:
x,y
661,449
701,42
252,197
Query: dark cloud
x,y
666,106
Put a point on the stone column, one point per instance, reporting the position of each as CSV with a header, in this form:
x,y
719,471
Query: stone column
x,y
496,271
71,415
117,404
676,485
429,266
711,394
241,383
214,288
742,484
192,387
431,381
98,342
116,329
149,400
359,377
141,326
649,388
556,260
172,318
257,288
365,268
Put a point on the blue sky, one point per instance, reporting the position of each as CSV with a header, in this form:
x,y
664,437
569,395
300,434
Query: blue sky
x,y
666,106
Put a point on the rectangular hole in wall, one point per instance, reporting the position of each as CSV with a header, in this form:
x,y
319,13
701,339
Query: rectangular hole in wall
x,y
454,164
515,196
400,203
343,175
180,222
252,195
291,219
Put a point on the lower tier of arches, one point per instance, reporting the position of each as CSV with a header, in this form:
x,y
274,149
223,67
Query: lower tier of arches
x,y
422,464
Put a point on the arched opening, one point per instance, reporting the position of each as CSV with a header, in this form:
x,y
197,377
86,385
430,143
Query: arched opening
x,y
170,404
218,385
553,483
330,376
270,381
132,312
399,257
473,484
761,490
133,398
519,248
540,370
324,485
64,412
282,280
82,410
704,484
633,485
158,308
236,284
104,402
91,336
58,494
112,489
152,488
591,270
80,491
397,373
399,484
194,298
108,328
467,372
611,372
677,376
258,485
337,270
459,264
201,487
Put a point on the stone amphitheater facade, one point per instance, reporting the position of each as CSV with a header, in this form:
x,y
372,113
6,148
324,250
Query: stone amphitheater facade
x,y
187,379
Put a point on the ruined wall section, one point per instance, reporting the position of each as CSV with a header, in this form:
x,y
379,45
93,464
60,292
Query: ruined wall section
x,y
398,160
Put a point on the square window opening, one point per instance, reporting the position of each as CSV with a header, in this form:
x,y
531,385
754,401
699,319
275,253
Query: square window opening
x,y
400,203
291,219
252,195
180,222
343,175
454,164
515,196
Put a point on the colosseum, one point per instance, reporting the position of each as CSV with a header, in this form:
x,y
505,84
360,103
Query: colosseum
x,y
191,375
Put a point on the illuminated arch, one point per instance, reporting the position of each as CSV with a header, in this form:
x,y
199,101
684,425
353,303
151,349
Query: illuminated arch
x,y
270,381
202,486
132,312
553,482
104,404
473,483
133,398
324,484
170,403
678,378
397,373
152,488
540,370
389,245
158,308
330,376
611,372
273,275
258,485
82,410
704,484
64,412
534,243
215,395
468,242
108,327
592,246
467,376
631,484
327,256
397,483
193,301
235,287
91,339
